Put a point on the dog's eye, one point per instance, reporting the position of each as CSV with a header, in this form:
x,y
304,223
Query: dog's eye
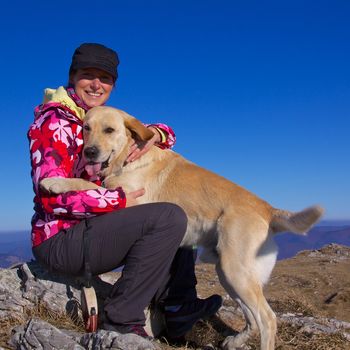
x,y
86,127
108,130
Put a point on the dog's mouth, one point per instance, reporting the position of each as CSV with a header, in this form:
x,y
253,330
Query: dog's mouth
x,y
105,164
94,168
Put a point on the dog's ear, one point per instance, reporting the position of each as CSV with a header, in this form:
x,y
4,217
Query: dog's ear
x,y
137,129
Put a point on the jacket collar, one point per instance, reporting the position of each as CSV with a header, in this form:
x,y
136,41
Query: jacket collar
x,y
66,99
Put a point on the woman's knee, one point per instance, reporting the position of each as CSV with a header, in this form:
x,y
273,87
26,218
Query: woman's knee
x,y
176,217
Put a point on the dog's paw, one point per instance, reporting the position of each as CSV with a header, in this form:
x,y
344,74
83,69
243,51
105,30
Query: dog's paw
x,y
231,343
52,185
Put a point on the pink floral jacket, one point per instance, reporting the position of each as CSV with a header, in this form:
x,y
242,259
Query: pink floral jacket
x,y
56,143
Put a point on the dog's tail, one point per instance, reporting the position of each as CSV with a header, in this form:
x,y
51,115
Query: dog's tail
x,y
299,222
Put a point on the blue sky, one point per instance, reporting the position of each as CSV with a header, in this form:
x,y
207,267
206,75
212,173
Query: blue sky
x,y
258,92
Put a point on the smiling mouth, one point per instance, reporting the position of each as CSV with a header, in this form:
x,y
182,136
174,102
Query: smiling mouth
x,y
94,94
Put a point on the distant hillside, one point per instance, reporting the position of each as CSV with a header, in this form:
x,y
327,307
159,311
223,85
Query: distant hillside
x,y
16,246
290,244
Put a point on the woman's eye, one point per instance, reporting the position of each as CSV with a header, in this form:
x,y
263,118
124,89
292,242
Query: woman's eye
x,y
86,127
107,80
109,130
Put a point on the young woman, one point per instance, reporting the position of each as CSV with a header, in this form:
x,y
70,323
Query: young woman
x,y
106,227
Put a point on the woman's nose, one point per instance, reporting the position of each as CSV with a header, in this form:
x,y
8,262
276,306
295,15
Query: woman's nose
x,y
96,83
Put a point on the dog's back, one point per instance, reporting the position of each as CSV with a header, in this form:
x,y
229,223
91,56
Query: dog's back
x,y
204,195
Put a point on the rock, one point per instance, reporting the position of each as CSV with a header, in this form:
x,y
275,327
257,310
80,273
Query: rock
x,y
113,340
25,286
319,325
28,285
54,291
12,303
40,335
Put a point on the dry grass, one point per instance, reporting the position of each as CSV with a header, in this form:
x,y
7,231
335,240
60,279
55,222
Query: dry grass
x,y
59,320
203,335
289,337
206,335
6,326
292,337
293,304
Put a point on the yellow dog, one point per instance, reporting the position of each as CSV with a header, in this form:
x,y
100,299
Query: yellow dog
x,y
234,226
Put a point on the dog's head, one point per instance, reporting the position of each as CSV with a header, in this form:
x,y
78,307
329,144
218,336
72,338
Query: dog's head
x,y
107,135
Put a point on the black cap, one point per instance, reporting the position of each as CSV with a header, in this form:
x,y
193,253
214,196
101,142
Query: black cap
x,y
91,55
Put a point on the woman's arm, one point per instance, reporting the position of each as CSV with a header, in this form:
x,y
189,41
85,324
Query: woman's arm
x,y
55,145
167,135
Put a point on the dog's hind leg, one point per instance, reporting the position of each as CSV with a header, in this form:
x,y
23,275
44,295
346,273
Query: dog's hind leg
x,y
254,305
250,327
239,274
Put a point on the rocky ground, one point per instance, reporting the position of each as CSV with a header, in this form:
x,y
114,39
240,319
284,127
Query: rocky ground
x,y
310,294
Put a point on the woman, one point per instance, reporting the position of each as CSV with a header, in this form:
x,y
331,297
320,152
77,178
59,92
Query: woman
x,y
144,238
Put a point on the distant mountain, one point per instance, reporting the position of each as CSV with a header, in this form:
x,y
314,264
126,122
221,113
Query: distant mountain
x,y
290,244
334,223
16,246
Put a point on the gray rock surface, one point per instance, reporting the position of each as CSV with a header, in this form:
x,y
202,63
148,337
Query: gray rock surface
x,y
25,286
313,325
12,303
29,284
113,340
40,335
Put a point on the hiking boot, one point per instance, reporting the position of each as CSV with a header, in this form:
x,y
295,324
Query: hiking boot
x,y
127,328
179,322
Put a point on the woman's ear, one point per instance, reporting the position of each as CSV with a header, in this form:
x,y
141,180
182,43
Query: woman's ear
x,y
71,79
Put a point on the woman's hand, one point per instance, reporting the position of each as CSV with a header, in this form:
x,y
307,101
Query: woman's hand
x,y
136,151
131,197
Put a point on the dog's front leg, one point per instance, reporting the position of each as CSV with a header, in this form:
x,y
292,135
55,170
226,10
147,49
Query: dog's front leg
x,y
57,185
115,181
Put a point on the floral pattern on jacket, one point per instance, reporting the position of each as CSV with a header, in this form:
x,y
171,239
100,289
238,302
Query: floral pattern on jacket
x,y
56,143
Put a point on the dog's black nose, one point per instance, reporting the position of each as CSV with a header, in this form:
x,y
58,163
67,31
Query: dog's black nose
x,y
91,153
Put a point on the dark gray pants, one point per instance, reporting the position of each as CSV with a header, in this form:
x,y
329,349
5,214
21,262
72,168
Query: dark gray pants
x,y
144,239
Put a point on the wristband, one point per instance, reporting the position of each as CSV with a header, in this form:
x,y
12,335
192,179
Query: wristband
x,y
163,136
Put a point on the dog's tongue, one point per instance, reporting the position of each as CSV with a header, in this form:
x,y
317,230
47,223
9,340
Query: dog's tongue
x,y
93,169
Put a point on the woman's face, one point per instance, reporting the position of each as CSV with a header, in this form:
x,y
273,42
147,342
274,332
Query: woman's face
x,y
92,85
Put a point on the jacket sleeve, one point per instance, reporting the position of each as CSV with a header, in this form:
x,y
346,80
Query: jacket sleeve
x,y
55,144
168,137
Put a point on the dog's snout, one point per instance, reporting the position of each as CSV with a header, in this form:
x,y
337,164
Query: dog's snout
x,y
91,153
